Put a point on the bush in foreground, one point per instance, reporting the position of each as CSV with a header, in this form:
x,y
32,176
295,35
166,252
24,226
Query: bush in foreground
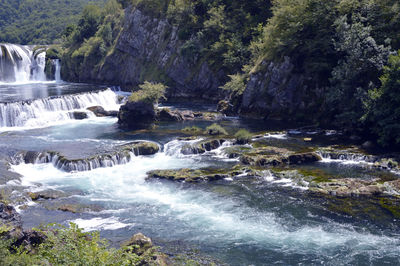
x,y
71,246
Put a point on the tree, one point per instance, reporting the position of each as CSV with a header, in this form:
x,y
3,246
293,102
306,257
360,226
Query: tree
x,y
383,104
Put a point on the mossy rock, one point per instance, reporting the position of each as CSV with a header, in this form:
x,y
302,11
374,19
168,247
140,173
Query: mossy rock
x,y
196,175
141,148
273,157
202,146
46,195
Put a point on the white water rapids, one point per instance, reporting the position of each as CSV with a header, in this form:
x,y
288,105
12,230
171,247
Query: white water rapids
x,y
48,111
202,216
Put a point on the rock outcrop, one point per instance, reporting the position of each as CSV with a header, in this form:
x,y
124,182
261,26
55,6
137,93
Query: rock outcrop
x,y
136,115
149,48
101,112
278,91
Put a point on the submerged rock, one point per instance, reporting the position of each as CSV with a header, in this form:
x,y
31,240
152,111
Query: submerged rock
x,y
347,187
46,194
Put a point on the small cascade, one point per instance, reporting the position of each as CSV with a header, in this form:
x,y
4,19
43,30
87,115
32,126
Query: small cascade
x,y
44,111
122,155
58,70
37,67
176,148
346,157
20,64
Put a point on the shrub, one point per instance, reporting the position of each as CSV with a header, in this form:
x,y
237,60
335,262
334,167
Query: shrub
x,y
149,92
243,136
215,129
72,246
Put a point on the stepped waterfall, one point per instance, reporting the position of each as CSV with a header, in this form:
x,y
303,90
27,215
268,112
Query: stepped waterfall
x,y
21,64
41,112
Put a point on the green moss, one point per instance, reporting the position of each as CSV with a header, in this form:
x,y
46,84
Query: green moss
x,y
318,175
393,206
192,130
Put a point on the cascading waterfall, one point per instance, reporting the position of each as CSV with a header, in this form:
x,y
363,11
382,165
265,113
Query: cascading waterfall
x,y
58,70
44,111
20,64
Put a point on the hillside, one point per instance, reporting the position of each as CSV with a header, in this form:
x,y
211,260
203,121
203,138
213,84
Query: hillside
x,y
38,21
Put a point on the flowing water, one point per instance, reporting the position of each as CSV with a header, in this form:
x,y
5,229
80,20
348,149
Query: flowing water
x,y
240,221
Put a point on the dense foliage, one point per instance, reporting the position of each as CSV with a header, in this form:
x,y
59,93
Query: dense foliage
x,y
340,47
70,246
37,21
149,92
383,104
94,36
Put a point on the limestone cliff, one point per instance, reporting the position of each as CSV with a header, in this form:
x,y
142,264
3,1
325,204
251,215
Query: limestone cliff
x,y
149,48
279,91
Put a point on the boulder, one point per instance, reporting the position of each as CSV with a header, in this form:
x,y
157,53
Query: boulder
x,y
137,115
79,115
202,147
100,112
166,114
11,220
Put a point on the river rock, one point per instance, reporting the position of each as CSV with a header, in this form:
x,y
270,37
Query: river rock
x,y
266,160
101,112
202,147
137,115
189,175
79,115
168,115
11,220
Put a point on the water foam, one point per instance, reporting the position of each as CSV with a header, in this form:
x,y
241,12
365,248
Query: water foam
x,y
49,111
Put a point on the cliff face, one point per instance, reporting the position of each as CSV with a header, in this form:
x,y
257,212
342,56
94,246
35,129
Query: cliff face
x,y
277,91
149,49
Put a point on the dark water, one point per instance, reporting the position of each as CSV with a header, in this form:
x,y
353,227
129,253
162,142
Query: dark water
x,y
244,221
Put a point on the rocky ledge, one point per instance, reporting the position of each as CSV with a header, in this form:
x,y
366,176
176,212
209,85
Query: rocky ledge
x,y
143,115
348,187
121,155
195,175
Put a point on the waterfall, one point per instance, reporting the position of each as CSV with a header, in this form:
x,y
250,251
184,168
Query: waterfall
x,y
58,70
42,112
21,64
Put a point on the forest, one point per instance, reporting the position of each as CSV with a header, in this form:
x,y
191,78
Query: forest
x,y
345,49
38,21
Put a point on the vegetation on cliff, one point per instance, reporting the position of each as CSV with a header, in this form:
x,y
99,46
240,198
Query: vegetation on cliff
x,y
338,50
89,41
